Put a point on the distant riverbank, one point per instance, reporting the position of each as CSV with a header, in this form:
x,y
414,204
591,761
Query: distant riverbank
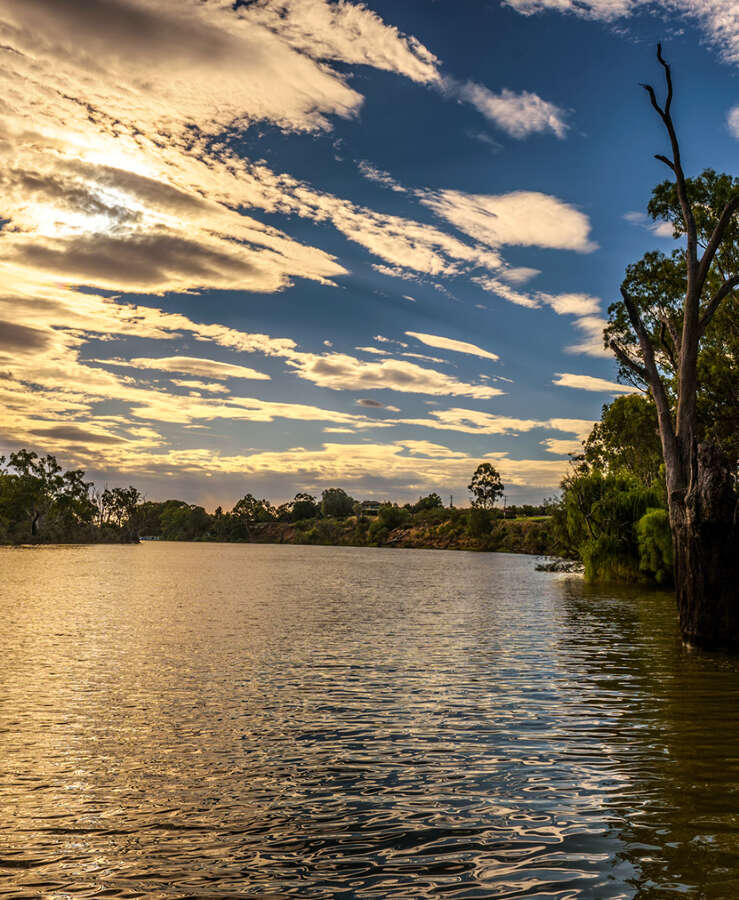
x,y
521,535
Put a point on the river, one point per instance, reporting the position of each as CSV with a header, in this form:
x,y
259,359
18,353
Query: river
x,y
213,720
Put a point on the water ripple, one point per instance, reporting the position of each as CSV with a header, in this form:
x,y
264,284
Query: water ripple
x,y
219,721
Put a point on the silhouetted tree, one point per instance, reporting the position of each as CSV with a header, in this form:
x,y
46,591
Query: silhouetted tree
x,y
486,486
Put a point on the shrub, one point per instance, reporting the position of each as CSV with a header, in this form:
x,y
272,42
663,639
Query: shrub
x,y
655,545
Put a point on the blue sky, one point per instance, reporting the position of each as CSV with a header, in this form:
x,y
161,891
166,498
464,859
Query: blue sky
x,y
292,245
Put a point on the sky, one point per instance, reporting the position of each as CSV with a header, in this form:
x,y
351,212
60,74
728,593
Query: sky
x,y
287,245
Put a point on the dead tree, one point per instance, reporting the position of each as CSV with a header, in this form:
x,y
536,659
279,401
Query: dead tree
x,y
700,484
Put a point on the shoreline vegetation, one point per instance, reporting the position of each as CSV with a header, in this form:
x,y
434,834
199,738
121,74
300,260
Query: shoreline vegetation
x,y
610,521
41,504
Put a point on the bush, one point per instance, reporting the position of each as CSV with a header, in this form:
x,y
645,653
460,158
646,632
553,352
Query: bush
x,y
655,545
478,522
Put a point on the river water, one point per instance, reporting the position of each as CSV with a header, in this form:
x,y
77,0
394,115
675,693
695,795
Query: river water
x,y
205,720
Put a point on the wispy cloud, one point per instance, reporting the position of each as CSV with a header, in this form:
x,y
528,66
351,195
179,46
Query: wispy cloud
x,y
732,120
641,220
519,218
591,383
718,18
443,343
339,371
518,114
189,365
372,173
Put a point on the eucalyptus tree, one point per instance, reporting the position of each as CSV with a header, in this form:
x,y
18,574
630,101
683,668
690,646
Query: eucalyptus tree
x,y
668,313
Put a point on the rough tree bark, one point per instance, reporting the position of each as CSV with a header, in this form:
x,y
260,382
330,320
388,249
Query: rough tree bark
x,y
702,502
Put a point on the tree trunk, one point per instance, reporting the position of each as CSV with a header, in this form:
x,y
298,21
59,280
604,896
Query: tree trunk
x,y
705,535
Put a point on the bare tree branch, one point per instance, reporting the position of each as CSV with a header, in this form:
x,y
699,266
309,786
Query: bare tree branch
x,y
676,166
665,160
726,288
668,79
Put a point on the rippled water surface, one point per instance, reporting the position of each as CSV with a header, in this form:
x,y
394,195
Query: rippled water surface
x,y
201,720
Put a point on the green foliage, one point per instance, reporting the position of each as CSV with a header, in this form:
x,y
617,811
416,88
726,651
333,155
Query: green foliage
x,y
304,506
431,501
478,522
655,545
600,512
249,510
657,283
486,486
336,503
392,516
626,440
41,503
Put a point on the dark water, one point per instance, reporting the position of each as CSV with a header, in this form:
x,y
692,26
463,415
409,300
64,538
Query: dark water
x,y
210,720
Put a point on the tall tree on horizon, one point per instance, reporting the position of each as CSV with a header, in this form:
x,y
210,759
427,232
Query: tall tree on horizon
x,y
658,343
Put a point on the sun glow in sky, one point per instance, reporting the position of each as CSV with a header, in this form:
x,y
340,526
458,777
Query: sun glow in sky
x,y
285,245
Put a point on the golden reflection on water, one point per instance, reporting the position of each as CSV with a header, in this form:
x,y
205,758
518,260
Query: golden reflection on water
x,y
206,720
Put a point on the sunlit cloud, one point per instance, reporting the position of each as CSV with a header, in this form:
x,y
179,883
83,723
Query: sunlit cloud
x,y
189,365
339,371
518,114
591,383
718,18
520,218
732,120
443,343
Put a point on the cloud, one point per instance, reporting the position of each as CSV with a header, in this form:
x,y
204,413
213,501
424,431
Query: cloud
x,y
520,218
76,434
590,383
660,229
442,343
412,466
15,338
338,371
473,421
718,18
196,385
375,404
426,358
270,56
732,120
519,115
346,32
562,446
371,173
381,339
189,365
592,344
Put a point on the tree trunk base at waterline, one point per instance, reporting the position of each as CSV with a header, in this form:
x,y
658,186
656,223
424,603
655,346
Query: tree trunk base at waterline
x,y
706,543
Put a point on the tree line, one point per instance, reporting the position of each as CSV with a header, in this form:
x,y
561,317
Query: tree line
x,y
41,503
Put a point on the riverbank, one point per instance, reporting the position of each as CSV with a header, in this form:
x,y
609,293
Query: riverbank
x,y
532,535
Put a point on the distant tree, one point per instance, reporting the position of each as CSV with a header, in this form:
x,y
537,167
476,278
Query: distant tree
x,y
304,506
486,487
119,505
184,522
391,516
336,503
250,510
431,501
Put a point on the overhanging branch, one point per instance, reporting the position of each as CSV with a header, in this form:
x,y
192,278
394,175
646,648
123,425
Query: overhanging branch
x,y
628,361
714,242
726,288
